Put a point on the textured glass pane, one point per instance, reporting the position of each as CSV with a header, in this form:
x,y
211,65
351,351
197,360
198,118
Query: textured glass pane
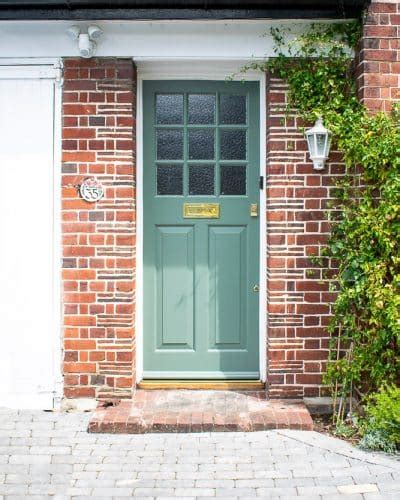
x,y
201,109
232,109
201,144
201,179
169,144
169,109
233,179
233,144
169,179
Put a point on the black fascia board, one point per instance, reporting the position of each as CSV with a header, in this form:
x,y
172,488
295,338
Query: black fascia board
x,y
171,14
179,9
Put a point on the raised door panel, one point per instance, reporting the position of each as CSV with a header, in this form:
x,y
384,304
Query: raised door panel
x,y
228,274
175,287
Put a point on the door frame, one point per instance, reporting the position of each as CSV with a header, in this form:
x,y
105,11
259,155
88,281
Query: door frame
x,y
150,69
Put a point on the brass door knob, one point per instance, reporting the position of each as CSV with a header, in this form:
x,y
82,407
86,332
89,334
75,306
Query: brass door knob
x,y
256,288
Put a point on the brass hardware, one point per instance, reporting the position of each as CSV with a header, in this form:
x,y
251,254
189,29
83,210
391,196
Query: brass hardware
x,y
256,288
254,210
201,210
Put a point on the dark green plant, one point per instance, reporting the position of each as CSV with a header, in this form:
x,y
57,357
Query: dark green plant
x,y
365,243
381,427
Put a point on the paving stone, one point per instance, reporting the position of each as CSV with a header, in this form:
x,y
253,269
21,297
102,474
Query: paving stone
x,y
254,483
379,496
298,481
389,486
27,479
189,492
281,492
354,496
350,489
154,492
30,459
316,490
47,450
13,489
215,483
175,483
334,481
111,492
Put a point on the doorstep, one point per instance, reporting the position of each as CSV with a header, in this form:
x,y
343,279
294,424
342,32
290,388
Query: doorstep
x,y
199,411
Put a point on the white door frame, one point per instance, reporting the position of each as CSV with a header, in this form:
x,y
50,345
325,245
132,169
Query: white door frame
x,y
186,69
49,69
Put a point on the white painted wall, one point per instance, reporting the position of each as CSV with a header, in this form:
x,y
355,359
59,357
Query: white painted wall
x,y
227,40
29,298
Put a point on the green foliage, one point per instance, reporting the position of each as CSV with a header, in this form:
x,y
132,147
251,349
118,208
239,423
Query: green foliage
x,y
344,430
381,428
318,65
376,440
365,241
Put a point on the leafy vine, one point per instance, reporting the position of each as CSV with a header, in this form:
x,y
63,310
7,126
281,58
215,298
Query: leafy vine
x,y
365,236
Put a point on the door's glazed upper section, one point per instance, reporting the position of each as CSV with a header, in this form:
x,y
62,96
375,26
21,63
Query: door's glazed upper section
x,y
201,143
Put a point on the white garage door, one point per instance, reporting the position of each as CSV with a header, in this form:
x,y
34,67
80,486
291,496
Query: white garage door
x,y
29,298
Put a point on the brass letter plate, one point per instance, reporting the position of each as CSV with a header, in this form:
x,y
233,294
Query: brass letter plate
x,y
201,210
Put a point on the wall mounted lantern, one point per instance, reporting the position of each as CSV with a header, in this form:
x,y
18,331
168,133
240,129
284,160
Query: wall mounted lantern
x,y
319,143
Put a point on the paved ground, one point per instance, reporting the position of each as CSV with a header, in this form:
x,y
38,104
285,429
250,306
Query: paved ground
x,y
48,454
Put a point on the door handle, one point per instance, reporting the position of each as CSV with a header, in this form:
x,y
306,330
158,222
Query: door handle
x,y
256,288
254,210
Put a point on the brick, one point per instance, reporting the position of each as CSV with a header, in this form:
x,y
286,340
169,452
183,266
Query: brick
x,y
79,109
80,367
78,344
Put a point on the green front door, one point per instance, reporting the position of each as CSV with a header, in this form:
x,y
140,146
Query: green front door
x,y
201,229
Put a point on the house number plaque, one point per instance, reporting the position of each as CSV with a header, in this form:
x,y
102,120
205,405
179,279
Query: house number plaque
x,y
91,190
201,210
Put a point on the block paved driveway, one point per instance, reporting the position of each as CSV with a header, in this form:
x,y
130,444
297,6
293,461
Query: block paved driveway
x,y
46,455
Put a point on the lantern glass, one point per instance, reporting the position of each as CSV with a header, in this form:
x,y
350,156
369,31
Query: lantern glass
x,y
311,145
321,140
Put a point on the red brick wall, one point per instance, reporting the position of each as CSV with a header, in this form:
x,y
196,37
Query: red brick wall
x,y
99,238
299,301
379,58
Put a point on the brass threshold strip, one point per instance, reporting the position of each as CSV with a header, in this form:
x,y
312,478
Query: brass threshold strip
x,y
224,385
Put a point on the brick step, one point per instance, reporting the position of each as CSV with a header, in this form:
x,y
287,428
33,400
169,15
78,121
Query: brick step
x,y
199,411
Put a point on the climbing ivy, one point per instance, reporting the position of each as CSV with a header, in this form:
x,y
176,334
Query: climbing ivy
x,y
365,238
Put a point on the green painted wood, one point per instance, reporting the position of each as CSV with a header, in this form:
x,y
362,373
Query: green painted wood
x,y
201,315
227,268
175,265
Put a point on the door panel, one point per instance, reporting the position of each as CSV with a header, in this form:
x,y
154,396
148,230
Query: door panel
x,y
228,273
175,284
201,146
